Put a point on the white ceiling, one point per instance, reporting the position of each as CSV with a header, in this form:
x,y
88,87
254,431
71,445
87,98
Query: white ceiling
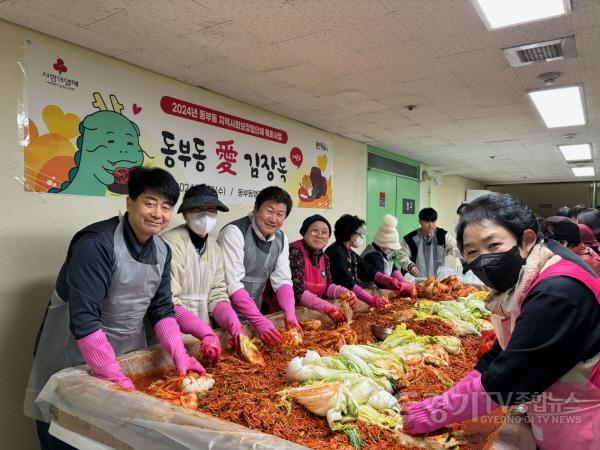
x,y
351,67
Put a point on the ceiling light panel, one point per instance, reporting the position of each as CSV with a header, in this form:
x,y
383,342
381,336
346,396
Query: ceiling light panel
x,y
576,152
559,107
506,13
583,171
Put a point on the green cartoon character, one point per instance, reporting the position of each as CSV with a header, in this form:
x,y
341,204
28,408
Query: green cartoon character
x,y
108,148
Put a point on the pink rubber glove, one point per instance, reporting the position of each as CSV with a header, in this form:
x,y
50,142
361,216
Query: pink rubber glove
x,y
226,317
264,327
287,303
406,288
398,276
335,291
379,302
464,401
100,356
211,348
190,323
170,338
362,294
389,282
337,315
312,301
371,300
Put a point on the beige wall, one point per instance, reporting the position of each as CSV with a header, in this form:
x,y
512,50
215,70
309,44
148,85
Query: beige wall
x,y
37,229
545,199
445,198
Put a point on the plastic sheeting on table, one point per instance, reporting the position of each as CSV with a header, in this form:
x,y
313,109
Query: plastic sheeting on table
x,y
142,421
145,422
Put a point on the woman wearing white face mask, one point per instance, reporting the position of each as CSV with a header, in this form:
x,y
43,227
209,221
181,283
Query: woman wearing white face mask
x,y
380,255
197,274
347,267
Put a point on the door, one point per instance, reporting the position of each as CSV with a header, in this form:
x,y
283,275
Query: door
x,y
381,199
407,204
395,195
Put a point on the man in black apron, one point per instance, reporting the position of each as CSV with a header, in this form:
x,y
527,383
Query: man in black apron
x,y
116,272
256,255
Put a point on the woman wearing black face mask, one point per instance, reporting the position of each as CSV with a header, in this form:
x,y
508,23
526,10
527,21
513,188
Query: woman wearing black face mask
x,y
546,313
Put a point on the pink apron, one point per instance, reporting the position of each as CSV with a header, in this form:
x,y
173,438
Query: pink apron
x,y
567,414
315,278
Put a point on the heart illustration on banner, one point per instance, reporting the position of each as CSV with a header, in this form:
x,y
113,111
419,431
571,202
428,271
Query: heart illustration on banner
x,y
60,66
136,109
296,157
59,122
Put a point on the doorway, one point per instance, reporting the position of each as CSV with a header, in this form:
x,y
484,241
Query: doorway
x,y
393,190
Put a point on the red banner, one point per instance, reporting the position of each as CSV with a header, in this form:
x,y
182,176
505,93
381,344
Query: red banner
x,y
198,113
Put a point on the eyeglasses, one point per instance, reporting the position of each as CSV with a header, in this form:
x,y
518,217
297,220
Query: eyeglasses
x,y
316,233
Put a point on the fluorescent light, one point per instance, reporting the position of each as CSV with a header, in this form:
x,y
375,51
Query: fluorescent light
x,y
577,152
559,107
583,171
505,13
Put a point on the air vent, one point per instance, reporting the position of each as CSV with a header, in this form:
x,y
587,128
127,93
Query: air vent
x,y
376,161
541,51
536,54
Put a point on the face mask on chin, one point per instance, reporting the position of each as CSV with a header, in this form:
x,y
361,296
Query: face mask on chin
x,y
389,253
499,271
357,242
201,223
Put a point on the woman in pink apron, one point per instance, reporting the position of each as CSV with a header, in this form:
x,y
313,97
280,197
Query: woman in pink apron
x,y
546,313
310,270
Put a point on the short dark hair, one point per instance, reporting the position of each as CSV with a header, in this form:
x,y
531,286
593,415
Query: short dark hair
x,y
346,226
428,215
460,208
505,210
276,194
591,218
561,228
154,179
578,209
